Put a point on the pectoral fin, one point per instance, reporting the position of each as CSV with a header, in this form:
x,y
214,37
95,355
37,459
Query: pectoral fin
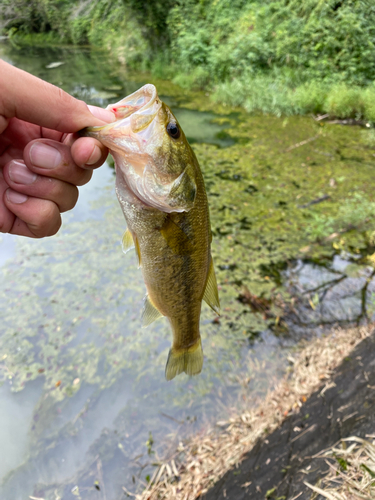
x,y
128,242
182,192
211,295
150,312
176,196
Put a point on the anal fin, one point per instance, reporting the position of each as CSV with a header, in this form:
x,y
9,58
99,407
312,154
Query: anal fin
x,y
211,294
150,312
188,360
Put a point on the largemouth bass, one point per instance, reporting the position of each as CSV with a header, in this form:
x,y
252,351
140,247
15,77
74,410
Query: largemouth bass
x,y
161,191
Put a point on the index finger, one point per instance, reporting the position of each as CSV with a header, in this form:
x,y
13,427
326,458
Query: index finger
x,y
33,100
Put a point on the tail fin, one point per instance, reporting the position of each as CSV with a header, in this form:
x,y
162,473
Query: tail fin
x,y
188,360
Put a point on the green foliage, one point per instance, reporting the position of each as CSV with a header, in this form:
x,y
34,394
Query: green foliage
x,y
153,17
323,40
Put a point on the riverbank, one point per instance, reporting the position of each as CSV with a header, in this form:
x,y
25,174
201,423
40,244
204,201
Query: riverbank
x,y
271,451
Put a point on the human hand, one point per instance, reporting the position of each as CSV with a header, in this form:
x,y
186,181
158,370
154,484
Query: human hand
x,y
41,161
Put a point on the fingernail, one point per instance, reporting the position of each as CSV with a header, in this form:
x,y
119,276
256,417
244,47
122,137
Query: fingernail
x,y
15,197
44,156
95,156
19,173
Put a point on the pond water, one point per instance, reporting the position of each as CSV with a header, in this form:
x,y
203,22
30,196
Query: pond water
x,y
84,403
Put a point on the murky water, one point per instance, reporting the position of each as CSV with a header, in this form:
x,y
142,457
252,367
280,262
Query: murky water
x,y
83,383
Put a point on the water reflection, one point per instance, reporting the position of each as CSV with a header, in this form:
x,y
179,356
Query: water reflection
x,y
331,293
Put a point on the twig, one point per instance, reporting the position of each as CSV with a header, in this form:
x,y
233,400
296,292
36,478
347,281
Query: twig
x,y
320,491
172,418
101,480
314,202
310,429
128,492
302,143
321,117
297,496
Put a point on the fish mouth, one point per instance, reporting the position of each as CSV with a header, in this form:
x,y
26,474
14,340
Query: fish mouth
x,y
135,120
134,140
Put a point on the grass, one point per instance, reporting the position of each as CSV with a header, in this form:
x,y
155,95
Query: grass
x,y
195,466
351,473
275,95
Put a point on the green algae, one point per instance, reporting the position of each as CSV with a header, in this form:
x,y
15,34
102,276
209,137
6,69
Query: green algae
x,y
274,199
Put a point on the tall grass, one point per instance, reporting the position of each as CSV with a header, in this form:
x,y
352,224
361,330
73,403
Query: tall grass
x,y
266,94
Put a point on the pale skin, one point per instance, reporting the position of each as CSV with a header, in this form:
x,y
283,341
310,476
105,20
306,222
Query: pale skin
x,y
41,160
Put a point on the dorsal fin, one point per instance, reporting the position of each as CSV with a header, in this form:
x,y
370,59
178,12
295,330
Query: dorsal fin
x,y
211,295
150,312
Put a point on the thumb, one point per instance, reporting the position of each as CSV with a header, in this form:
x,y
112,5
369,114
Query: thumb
x,y
31,99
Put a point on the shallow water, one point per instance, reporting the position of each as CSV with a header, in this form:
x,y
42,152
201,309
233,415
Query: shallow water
x,y
83,383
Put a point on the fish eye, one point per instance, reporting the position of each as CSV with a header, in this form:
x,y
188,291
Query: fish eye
x,y
173,130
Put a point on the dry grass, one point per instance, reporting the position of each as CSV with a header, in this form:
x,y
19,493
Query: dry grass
x,y
351,473
196,466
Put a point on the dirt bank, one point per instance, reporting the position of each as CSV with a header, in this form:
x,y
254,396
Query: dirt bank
x,y
279,464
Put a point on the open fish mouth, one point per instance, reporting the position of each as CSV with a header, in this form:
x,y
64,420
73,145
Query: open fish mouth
x,y
135,121
142,141
141,101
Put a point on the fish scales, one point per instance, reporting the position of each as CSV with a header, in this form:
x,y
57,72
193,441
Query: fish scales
x,y
161,191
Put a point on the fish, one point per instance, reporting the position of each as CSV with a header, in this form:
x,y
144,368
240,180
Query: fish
x,y
161,191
